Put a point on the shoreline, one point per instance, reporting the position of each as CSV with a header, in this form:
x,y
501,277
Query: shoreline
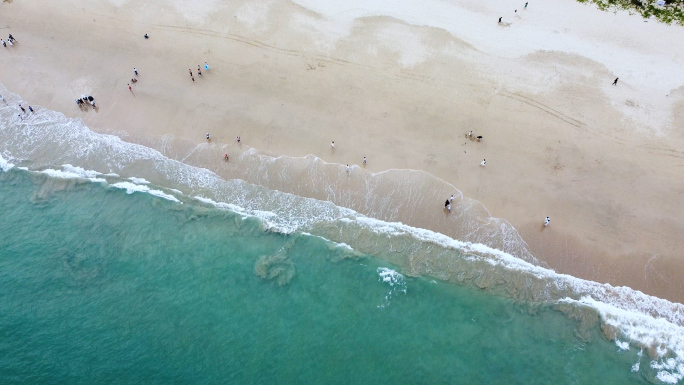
x,y
289,99
207,261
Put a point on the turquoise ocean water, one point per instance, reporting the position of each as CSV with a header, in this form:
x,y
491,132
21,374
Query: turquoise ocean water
x,y
99,286
122,264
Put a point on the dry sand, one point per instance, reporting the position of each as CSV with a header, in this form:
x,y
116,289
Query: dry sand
x,y
604,162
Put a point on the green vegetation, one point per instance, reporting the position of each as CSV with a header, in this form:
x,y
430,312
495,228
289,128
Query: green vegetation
x,y
672,11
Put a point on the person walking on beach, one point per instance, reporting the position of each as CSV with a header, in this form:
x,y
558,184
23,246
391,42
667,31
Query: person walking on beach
x,y
526,5
470,134
225,156
3,43
332,144
30,108
500,19
484,161
189,70
135,71
193,78
199,70
238,139
451,199
347,169
207,136
547,221
615,82
364,160
446,203
22,108
129,87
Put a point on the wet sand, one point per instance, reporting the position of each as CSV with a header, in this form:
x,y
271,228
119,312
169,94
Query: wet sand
x,y
605,163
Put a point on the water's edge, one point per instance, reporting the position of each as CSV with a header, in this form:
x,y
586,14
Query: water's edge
x,y
486,253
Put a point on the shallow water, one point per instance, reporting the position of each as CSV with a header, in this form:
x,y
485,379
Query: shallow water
x,y
101,286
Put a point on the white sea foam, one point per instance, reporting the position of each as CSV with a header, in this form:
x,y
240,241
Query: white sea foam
x,y
392,277
623,345
132,187
138,180
620,297
396,282
225,206
5,165
83,173
646,331
637,365
670,371
341,245
74,174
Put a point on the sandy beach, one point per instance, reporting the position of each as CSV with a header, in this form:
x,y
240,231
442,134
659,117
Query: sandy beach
x,y
403,87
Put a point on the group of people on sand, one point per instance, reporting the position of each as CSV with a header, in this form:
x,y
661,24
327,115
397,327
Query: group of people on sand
x,y
348,169
225,156
479,139
516,11
84,100
10,41
447,204
134,79
23,110
199,71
